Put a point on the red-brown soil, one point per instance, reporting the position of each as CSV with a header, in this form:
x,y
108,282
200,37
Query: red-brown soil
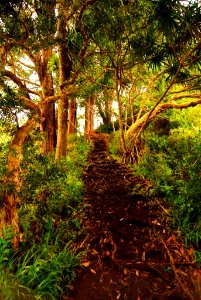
x,y
132,252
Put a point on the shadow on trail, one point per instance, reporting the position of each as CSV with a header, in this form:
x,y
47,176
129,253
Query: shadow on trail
x,y
127,237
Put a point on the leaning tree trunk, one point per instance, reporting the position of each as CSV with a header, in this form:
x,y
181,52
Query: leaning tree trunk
x,y
9,212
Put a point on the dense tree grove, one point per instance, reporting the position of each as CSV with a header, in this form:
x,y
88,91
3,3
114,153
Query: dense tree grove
x,y
57,56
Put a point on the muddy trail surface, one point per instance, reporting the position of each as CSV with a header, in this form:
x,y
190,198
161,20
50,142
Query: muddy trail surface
x,y
132,253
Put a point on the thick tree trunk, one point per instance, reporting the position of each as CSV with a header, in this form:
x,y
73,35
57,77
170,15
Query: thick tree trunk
x,y
47,120
72,119
48,127
9,212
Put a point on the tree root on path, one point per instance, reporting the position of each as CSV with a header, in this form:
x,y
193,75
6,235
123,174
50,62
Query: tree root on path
x,y
182,286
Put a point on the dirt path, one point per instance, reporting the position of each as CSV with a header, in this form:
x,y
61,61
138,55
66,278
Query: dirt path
x,y
132,254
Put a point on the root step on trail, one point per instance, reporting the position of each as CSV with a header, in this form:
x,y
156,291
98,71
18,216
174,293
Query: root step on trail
x,y
125,233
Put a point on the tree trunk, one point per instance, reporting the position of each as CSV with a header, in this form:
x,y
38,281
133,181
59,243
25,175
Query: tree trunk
x,y
9,212
72,120
61,149
105,114
47,120
48,127
65,68
118,87
89,116
147,118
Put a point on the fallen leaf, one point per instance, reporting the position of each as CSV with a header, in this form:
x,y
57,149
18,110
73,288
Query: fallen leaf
x,y
182,251
125,271
143,256
93,271
190,251
94,252
86,263
155,222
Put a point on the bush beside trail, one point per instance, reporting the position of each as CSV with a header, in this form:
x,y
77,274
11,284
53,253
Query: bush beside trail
x,y
50,213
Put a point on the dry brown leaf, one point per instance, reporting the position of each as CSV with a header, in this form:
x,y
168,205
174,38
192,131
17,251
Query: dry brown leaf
x,y
86,263
94,252
182,251
170,239
125,271
155,222
191,251
143,256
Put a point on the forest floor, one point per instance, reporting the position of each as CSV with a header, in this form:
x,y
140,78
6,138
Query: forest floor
x,y
132,251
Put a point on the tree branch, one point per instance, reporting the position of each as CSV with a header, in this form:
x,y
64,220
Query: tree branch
x,y
18,81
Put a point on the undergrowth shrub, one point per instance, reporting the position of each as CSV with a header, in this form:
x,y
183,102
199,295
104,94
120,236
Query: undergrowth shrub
x,y
50,215
105,128
46,271
116,146
173,163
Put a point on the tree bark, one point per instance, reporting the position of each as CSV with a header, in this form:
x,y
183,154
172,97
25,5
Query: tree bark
x,y
65,68
47,120
106,112
61,149
118,87
134,128
48,127
89,116
72,120
9,212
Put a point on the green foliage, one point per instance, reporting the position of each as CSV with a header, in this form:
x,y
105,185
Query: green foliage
x,y
50,216
105,128
12,289
6,249
47,272
51,194
5,137
172,163
115,145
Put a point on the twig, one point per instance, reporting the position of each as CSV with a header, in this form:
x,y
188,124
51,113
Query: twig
x,y
165,210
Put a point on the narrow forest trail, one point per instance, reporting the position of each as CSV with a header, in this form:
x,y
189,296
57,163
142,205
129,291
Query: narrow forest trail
x,y
131,253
